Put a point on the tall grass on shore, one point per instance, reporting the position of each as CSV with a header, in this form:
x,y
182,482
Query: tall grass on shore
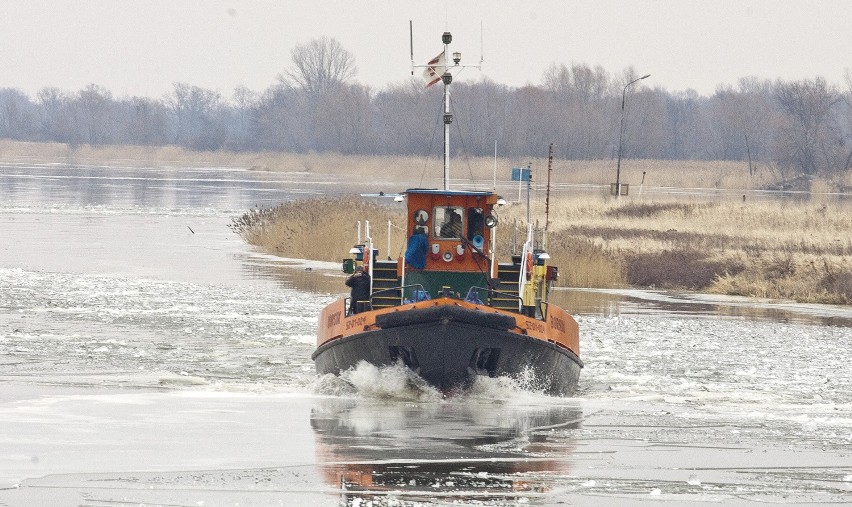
x,y
771,249
322,229
799,250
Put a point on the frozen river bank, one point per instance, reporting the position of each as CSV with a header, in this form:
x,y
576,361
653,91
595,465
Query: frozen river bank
x,y
147,356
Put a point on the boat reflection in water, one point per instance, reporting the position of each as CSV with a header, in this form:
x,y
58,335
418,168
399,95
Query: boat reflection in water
x,y
454,450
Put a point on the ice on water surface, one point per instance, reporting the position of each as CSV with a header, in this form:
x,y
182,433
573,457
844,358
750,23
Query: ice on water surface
x,y
713,391
149,331
174,373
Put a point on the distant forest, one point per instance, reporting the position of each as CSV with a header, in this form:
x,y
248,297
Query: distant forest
x,y
316,105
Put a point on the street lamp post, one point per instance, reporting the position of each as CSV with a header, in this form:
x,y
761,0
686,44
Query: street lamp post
x,y
621,135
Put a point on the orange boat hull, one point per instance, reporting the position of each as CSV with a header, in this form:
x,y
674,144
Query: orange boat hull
x,y
449,343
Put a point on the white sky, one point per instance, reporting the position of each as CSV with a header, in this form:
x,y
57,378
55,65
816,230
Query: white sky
x,y
142,47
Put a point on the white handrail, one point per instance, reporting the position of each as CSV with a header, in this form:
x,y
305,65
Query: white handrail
x,y
522,277
368,246
402,290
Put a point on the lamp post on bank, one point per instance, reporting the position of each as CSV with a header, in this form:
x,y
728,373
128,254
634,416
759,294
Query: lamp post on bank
x,y
621,134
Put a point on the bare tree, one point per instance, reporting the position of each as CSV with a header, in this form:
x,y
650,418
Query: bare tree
x,y
320,66
406,117
557,80
579,83
277,120
803,126
51,102
195,112
145,121
579,95
94,103
16,115
847,99
244,102
743,121
530,105
481,110
807,105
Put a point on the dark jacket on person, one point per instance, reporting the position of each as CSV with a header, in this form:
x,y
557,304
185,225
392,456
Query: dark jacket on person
x,y
360,284
415,252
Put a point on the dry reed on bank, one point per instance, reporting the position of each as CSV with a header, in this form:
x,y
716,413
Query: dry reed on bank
x,y
778,249
786,250
320,228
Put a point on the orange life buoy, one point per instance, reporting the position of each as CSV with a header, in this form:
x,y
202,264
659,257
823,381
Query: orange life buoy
x,y
529,264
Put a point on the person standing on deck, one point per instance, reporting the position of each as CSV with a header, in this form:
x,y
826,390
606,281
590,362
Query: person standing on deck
x,y
359,282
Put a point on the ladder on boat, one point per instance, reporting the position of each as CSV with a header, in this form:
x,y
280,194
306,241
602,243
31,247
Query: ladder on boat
x,y
384,278
508,274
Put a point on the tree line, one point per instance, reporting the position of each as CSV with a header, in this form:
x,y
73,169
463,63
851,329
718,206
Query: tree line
x,y
316,105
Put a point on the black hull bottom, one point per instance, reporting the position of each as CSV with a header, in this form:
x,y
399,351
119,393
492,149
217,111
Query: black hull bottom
x,y
449,355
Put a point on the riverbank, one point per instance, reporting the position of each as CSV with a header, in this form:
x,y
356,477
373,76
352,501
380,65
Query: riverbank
x,y
713,231
427,171
778,249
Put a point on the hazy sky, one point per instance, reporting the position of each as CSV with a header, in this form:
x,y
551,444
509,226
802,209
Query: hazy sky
x,y
142,47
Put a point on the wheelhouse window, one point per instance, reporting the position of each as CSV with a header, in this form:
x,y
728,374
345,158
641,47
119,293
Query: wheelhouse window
x,y
421,216
475,222
448,222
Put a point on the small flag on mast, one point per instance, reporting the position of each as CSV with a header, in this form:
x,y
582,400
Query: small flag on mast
x,y
435,69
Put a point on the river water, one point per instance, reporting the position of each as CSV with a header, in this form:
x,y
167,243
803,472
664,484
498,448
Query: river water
x,y
149,357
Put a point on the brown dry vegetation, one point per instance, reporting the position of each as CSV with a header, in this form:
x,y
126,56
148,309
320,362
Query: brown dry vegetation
x,y
321,229
799,250
770,249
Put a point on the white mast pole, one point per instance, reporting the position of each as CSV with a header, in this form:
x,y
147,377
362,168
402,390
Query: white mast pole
x,y
447,119
447,78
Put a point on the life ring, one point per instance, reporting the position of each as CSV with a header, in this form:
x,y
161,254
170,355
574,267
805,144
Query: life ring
x,y
529,265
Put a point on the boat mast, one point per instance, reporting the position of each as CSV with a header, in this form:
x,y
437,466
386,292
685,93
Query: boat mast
x,y
447,78
444,65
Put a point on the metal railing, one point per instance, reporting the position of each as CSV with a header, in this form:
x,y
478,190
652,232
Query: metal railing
x,y
358,307
492,292
491,295
401,290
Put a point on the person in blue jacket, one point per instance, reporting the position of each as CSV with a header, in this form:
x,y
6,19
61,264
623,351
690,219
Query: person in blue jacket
x,y
418,247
